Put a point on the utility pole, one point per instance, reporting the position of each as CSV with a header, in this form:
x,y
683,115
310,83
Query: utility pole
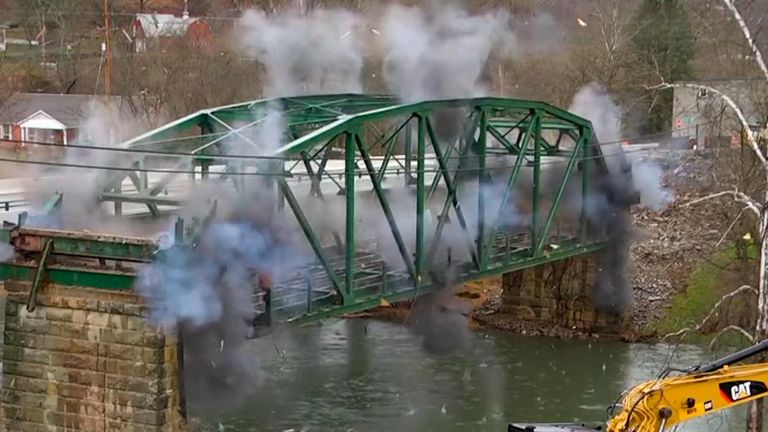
x,y
107,52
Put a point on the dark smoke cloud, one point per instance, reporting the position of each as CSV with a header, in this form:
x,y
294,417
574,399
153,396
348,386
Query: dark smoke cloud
x,y
441,320
206,293
609,219
628,180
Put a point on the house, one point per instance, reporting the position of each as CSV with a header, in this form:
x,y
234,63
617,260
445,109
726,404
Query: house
x,y
47,118
156,29
703,117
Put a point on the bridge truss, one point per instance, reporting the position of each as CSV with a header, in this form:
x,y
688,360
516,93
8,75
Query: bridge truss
x,y
386,196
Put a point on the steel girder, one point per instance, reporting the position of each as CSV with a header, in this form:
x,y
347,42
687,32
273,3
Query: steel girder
x,y
424,187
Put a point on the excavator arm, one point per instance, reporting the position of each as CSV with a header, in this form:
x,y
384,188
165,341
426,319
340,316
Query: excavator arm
x,y
657,405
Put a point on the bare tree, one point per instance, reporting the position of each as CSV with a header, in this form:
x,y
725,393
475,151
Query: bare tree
x,y
756,206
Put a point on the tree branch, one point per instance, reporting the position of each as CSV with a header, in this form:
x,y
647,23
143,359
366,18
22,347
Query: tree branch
x,y
739,113
735,328
730,227
712,313
738,196
748,36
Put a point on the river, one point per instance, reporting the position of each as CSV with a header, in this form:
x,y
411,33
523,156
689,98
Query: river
x,y
370,376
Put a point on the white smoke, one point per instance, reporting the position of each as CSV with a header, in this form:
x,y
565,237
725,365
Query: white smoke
x,y
594,103
6,252
648,178
440,52
265,137
315,53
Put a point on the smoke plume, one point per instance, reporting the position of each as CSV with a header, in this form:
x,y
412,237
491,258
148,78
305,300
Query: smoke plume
x,y
648,178
207,290
315,53
440,319
440,52
6,252
207,293
594,103
609,201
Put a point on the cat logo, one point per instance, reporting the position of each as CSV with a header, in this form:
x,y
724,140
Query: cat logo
x,y
734,391
708,406
740,391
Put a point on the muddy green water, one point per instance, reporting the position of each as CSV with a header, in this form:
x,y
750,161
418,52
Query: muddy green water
x,y
374,376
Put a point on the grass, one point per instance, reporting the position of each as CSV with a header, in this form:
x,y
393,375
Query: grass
x,y
705,287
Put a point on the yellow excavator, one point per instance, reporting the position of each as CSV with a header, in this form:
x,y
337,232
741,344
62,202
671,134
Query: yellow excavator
x,y
679,395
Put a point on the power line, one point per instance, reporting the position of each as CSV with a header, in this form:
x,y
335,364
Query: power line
x,y
128,169
148,152
254,157
284,174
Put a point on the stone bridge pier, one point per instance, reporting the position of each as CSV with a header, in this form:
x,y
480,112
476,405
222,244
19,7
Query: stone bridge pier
x,y
557,297
76,359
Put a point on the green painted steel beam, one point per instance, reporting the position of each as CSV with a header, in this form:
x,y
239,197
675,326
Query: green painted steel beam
x,y
74,277
451,199
38,278
314,242
481,192
366,303
82,244
53,203
535,196
350,246
559,195
401,246
140,199
523,143
544,125
420,198
496,106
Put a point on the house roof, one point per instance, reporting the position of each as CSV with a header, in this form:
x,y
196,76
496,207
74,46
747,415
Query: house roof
x,y
164,25
70,110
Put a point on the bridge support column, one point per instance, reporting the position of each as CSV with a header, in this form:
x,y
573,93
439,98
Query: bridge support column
x,y
85,359
555,299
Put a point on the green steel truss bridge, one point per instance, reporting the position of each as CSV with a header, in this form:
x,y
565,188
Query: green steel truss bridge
x,y
386,196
